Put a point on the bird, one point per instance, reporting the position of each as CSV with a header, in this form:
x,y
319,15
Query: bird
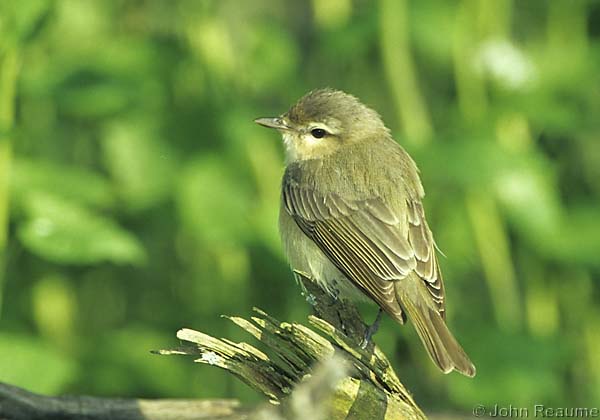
x,y
351,217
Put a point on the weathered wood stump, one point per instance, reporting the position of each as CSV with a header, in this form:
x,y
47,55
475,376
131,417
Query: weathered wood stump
x,y
364,383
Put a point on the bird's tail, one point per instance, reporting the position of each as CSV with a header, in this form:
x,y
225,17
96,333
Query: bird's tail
x,y
441,345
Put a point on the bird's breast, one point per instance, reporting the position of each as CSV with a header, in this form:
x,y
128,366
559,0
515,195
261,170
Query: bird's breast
x,y
307,258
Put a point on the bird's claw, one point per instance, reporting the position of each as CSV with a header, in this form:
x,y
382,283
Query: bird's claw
x,y
370,331
367,338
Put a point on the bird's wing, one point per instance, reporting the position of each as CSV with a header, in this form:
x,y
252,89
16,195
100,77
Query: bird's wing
x,y
371,244
423,245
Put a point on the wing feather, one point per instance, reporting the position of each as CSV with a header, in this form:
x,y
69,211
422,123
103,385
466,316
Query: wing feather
x,y
372,244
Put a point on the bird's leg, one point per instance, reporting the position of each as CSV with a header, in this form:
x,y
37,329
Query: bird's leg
x,y
371,330
341,320
329,305
298,275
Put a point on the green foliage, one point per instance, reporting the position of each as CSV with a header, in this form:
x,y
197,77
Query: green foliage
x,y
21,355
63,232
141,198
142,167
81,185
210,189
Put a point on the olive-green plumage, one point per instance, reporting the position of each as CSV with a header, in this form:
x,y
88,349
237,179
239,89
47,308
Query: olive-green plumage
x,y
351,216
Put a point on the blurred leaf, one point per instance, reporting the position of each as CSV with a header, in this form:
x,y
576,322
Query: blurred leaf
x,y
63,232
260,151
470,162
80,25
77,184
528,194
453,236
31,363
213,203
141,164
577,240
533,205
95,99
128,364
54,307
211,39
340,45
429,18
268,44
557,114
122,63
19,19
332,13
514,364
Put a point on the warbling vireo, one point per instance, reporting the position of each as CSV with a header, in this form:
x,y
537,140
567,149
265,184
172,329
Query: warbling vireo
x,y
351,217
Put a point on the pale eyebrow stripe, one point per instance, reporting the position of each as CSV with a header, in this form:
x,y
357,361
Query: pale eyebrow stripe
x,y
312,125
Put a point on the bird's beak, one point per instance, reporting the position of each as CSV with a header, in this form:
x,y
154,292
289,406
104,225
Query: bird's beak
x,y
276,122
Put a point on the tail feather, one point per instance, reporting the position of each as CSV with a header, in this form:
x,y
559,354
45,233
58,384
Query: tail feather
x,y
441,345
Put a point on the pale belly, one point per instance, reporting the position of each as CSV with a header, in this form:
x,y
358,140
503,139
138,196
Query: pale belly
x,y
305,257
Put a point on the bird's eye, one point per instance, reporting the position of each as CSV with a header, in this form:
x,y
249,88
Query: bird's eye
x,y
318,133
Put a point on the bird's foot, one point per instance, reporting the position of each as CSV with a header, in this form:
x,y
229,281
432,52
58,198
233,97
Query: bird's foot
x,y
370,331
310,298
341,322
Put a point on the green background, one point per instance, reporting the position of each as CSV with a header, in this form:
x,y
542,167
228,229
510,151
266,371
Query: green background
x,y
137,196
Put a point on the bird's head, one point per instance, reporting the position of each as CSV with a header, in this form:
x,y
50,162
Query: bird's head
x,y
324,121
